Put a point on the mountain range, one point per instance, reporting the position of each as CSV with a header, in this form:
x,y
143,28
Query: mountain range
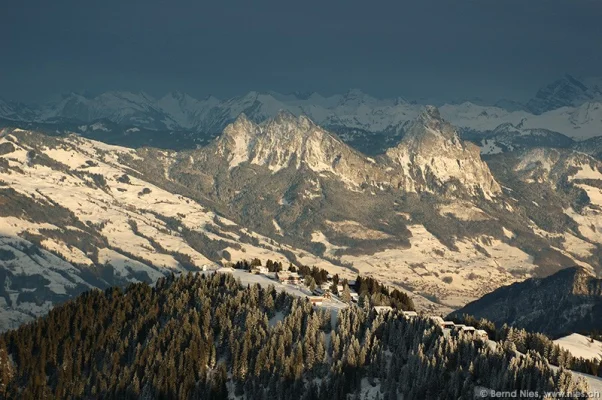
x,y
568,109
428,215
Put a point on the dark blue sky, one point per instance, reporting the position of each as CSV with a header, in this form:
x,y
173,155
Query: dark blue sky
x,y
419,48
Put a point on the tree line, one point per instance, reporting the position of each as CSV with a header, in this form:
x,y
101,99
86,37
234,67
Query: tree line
x,y
525,341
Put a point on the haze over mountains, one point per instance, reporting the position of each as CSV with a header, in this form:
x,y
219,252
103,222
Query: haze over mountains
x,y
566,110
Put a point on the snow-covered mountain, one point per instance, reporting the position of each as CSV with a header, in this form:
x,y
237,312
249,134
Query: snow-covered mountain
x,y
578,123
428,216
75,215
138,109
508,137
185,111
16,111
569,106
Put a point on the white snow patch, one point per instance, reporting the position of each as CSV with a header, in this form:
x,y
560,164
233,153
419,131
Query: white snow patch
x,y
581,346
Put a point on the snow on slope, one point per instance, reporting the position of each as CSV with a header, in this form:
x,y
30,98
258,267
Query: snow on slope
x,y
130,230
581,346
579,123
454,278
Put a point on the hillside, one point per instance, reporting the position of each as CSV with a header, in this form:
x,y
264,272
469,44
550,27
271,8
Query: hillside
x,y
74,217
568,301
209,337
581,346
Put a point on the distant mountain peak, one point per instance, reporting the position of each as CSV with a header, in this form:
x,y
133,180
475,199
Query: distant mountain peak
x,y
355,97
303,95
354,92
568,91
211,97
574,81
177,94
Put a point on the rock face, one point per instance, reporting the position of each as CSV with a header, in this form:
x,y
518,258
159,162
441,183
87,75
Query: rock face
x,y
432,154
293,142
430,158
568,301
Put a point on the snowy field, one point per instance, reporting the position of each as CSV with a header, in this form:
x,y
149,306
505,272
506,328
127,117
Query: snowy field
x,y
581,346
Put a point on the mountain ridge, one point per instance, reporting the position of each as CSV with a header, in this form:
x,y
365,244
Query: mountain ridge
x,y
410,166
576,304
565,92
342,113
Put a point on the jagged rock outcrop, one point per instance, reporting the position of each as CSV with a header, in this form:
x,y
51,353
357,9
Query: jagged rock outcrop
x,y
568,301
430,158
288,141
434,156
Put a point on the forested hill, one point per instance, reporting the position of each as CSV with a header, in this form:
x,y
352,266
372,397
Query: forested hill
x,y
207,337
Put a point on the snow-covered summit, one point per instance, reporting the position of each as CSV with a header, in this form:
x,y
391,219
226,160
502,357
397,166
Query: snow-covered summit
x,y
570,106
581,346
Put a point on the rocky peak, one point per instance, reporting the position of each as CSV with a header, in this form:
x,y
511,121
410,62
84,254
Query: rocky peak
x,y
242,127
181,98
430,113
279,141
287,122
236,141
432,152
429,158
429,132
176,94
